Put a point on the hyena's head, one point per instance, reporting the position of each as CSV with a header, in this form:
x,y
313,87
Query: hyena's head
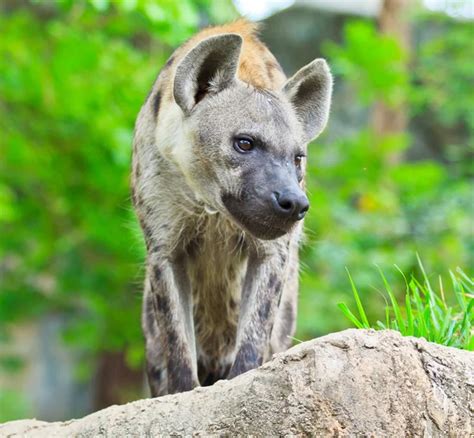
x,y
246,147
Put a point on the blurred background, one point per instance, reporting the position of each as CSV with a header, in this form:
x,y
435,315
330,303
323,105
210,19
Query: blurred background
x,y
391,176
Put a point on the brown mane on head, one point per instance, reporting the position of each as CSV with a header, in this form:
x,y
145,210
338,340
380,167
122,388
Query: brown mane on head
x,y
257,67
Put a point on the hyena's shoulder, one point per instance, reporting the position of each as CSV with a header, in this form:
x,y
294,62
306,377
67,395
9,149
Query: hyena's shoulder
x,y
257,65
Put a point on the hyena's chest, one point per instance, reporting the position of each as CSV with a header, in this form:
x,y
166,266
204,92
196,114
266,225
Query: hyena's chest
x,y
216,269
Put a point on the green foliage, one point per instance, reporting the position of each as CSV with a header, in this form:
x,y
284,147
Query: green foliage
x,y
366,209
444,54
374,62
74,75
169,20
14,405
67,163
365,212
425,312
444,77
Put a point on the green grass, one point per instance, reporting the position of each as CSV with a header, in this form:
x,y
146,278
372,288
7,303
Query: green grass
x,y
425,312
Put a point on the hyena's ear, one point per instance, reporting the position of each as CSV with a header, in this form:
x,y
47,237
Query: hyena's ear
x,y
210,66
310,90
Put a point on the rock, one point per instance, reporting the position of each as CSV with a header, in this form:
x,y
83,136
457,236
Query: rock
x,y
355,382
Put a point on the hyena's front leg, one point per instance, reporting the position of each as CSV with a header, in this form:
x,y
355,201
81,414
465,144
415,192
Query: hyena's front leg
x,y
260,297
170,299
155,355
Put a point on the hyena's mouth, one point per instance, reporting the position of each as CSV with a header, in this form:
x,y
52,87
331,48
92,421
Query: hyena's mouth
x,y
257,218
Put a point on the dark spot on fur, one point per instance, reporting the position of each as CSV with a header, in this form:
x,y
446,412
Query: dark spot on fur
x,y
156,272
150,316
272,281
180,375
241,241
264,310
155,249
156,373
169,62
277,288
202,371
172,338
288,314
162,304
156,103
270,66
247,358
155,379
134,196
147,233
194,247
212,373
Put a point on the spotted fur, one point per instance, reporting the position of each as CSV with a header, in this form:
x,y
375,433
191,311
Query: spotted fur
x,y
222,259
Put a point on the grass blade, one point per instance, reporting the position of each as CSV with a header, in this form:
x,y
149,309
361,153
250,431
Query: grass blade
x,y
350,315
410,324
360,308
395,306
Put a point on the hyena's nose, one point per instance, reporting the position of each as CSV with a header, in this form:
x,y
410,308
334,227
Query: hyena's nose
x,y
290,204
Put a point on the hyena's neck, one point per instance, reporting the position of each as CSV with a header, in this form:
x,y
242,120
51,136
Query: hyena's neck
x,y
187,224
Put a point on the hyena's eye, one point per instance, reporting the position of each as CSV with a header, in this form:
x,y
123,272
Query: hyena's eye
x,y
243,144
299,166
299,160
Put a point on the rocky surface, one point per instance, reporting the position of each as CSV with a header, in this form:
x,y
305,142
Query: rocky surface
x,y
355,382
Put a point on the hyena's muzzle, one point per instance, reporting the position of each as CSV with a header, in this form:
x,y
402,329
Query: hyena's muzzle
x,y
270,201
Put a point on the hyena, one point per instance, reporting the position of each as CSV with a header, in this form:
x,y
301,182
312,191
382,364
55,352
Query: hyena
x,y
218,187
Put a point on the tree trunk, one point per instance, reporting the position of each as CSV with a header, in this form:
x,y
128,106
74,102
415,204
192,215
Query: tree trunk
x,y
116,383
388,119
